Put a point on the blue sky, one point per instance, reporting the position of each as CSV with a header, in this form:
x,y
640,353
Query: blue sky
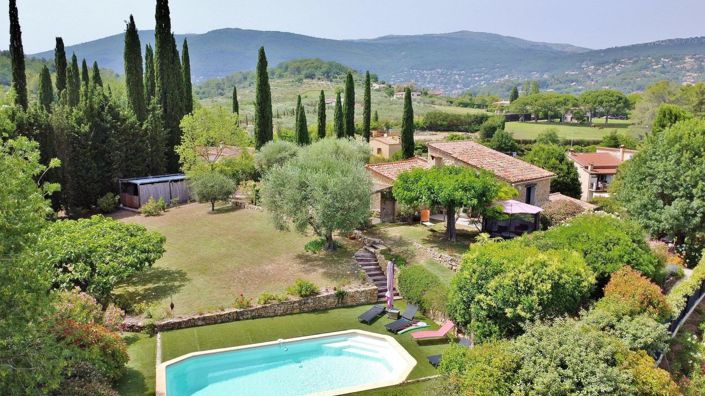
x,y
588,23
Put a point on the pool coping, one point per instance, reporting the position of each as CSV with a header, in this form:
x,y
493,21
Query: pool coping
x,y
398,379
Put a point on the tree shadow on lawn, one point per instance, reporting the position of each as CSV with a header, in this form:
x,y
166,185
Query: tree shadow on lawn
x,y
133,382
153,285
328,263
437,240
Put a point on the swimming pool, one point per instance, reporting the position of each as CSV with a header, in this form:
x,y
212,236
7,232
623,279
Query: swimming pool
x,y
321,365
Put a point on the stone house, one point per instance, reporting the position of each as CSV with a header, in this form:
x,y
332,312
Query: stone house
x,y
385,146
383,176
597,170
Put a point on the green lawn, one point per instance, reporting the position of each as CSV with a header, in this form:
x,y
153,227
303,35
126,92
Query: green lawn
x,y
423,388
530,130
141,369
180,342
399,236
213,257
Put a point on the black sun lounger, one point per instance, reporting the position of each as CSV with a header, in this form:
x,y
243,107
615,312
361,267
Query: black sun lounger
x,y
406,320
435,360
371,315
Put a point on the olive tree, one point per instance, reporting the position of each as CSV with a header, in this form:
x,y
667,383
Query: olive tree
x,y
212,187
325,188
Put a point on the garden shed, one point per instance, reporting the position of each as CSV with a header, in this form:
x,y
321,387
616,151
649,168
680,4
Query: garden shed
x,y
135,192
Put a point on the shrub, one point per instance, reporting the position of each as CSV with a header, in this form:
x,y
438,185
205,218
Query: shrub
x,y
94,344
315,245
107,203
628,293
83,379
683,290
640,332
340,295
648,380
608,205
251,190
77,306
153,208
501,286
484,370
274,153
303,288
242,302
113,317
419,286
268,298
557,212
492,125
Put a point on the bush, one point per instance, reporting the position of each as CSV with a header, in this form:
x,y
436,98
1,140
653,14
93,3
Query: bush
x,y
556,212
153,208
484,370
303,288
490,126
640,332
113,317
608,205
212,187
503,141
83,379
77,306
398,260
315,245
419,286
268,298
251,190
94,344
629,293
683,290
107,203
242,302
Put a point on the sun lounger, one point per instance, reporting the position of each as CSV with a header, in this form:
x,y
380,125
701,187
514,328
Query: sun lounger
x,y
414,327
406,320
372,314
435,360
434,334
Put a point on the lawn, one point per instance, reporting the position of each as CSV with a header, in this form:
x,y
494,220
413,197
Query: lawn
x,y
399,235
213,257
180,342
141,369
530,130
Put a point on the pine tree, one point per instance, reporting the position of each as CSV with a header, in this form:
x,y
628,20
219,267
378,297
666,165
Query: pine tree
x,y
85,76
60,65
19,78
338,127
264,128
514,95
367,109
296,113
302,137
150,85
188,87
349,110
46,92
73,83
322,115
236,105
407,126
132,58
97,79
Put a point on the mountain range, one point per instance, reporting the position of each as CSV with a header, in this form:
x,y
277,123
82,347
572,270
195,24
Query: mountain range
x,y
451,62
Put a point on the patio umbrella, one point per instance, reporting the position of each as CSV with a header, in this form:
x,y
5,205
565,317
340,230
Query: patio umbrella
x,y
390,285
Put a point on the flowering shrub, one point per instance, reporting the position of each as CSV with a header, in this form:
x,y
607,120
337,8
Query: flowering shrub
x,y
77,306
303,288
94,344
629,293
113,317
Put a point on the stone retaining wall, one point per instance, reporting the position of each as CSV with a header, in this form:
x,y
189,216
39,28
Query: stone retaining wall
x,y
447,260
327,300
245,205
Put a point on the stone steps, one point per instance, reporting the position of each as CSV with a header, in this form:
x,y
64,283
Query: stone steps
x,y
367,260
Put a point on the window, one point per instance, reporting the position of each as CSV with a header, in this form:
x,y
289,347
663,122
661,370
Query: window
x,y
379,151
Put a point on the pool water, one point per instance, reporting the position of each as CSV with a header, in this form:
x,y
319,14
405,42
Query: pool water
x,y
323,365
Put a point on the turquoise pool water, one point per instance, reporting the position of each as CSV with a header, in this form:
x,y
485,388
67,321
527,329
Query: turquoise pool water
x,y
319,365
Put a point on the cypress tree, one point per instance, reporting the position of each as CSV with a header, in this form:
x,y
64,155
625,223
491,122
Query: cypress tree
x,y
46,92
514,95
60,64
236,105
73,83
375,117
302,137
296,113
367,109
85,76
322,115
188,87
19,78
264,128
132,57
338,127
407,126
150,85
97,79
349,110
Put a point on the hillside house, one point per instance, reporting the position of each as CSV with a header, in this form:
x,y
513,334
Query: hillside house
x,y
400,94
383,176
385,146
597,170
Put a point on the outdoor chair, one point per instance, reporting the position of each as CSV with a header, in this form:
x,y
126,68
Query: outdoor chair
x,y
406,320
371,315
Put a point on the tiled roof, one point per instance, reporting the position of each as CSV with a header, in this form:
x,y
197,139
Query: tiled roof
x,y
391,170
626,150
506,167
602,163
389,140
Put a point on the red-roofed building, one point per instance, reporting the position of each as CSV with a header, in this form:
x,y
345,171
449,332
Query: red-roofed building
x,y
597,170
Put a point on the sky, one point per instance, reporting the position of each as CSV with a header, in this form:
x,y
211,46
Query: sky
x,y
587,23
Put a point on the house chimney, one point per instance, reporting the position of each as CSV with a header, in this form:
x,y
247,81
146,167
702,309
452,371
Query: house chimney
x,y
621,153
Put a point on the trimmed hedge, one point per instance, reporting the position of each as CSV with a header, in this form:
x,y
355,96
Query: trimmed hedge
x,y
449,122
678,296
419,286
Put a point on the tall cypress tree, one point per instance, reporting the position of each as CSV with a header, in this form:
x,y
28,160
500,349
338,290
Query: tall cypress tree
x,y
46,92
73,82
97,79
188,87
338,127
375,117
514,95
132,57
349,110
322,115
296,113
19,78
367,109
150,85
236,104
407,126
60,65
264,128
302,137
85,76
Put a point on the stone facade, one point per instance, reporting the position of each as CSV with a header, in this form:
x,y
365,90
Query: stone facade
x,y
361,295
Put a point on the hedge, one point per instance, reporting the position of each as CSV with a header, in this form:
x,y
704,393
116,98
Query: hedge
x,y
448,122
419,286
680,293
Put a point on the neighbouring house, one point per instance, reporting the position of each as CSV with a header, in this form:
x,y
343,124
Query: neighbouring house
x,y
400,94
378,86
385,146
557,197
383,176
596,170
532,182
135,192
217,153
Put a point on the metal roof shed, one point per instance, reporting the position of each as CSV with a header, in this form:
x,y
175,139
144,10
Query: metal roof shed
x,y
135,192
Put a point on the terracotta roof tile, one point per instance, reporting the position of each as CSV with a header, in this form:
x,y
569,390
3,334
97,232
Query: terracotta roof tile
x,y
602,163
506,167
391,170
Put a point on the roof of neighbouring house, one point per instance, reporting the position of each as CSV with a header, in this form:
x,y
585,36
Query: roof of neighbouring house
x,y
602,163
555,197
155,179
391,170
516,207
388,140
227,151
504,166
616,149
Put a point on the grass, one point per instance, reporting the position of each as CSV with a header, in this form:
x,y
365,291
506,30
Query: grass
x,y
423,388
213,257
141,369
530,130
399,236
